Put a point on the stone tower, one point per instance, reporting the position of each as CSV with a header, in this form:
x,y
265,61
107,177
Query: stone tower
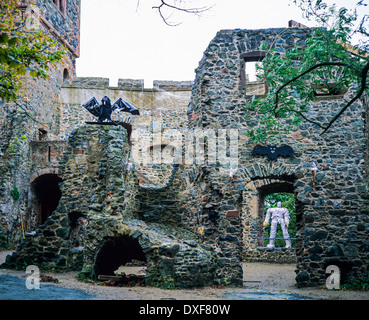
x,y
30,144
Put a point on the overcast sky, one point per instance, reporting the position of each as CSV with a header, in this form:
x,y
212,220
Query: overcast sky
x,y
119,40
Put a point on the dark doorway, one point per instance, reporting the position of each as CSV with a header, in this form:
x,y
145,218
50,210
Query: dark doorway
x,y
117,252
47,195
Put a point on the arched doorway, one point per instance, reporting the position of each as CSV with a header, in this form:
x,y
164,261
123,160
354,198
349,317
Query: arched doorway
x,y
116,252
45,196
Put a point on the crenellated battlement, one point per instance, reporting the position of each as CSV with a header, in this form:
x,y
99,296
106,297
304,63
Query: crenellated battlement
x,y
129,84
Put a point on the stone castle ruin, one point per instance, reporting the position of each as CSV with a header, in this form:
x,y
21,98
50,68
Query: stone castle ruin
x,y
79,209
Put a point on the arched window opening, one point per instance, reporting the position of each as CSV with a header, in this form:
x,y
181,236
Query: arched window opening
x,y
42,134
65,75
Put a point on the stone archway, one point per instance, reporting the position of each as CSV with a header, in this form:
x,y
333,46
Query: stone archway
x,y
116,252
264,179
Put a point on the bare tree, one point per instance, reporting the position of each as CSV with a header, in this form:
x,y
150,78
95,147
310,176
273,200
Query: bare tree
x,y
166,9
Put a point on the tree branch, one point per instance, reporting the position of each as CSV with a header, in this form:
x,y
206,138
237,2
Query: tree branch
x,y
307,119
304,73
363,75
164,4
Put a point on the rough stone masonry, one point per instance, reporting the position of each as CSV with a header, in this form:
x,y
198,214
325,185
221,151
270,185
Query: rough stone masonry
x,y
187,222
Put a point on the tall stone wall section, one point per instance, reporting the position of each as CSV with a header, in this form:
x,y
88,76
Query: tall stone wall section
x,y
91,169
331,219
94,188
36,117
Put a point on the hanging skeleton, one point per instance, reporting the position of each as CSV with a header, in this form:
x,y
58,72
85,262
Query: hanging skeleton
x,y
128,167
230,179
314,169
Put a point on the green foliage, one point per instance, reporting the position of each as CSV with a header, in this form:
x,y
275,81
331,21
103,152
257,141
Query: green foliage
x,y
3,242
15,193
288,201
83,277
16,143
325,64
22,51
361,283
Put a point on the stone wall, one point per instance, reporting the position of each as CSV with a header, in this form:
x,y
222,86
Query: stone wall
x,y
191,224
64,25
20,128
94,188
37,114
331,219
91,169
162,109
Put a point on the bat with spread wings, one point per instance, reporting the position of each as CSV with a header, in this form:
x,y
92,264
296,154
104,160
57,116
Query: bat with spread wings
x,y
103,111
124,106
273,152
93,107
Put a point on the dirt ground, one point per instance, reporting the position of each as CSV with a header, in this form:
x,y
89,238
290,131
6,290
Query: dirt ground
x,y
258,278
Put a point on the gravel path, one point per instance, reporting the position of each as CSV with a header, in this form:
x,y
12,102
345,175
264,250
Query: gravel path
x,y
262,281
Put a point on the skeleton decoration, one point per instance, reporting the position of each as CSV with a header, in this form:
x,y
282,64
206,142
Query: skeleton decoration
x,y
314,169
103,111
230,179
128,167
281,216
273,152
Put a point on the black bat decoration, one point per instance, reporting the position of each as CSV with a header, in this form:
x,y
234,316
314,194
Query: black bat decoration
x,y
103,111
93,107
273,152
124,106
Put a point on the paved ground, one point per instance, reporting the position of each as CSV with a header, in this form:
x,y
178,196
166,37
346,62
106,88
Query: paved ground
x,y
262,281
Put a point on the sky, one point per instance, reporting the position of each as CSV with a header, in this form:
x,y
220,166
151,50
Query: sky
x,y
127,38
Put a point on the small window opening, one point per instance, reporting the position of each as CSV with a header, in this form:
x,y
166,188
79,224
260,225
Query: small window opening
x,y
65,76
251,77
327,90
42,134
253,73
61,5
